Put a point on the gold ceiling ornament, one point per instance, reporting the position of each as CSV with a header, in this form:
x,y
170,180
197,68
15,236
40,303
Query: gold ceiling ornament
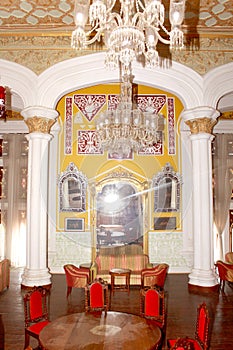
x,y
39,124
129,33
201,125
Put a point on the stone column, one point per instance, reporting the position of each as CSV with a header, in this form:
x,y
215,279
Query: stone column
x,y
39,121
201,121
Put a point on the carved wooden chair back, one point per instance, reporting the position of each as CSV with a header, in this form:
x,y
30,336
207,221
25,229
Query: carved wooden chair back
x,y
152,305
97,296
36,313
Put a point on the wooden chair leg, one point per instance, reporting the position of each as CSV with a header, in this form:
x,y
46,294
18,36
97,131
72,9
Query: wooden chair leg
x,y
27,338
69,289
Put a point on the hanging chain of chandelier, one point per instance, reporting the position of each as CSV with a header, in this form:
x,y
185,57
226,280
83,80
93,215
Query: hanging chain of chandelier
x,y
130,33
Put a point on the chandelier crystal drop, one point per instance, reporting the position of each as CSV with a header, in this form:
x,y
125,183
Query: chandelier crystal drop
x,y
127,128
129,28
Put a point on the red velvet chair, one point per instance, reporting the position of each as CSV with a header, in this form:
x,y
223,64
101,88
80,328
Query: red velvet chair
x,y
36,313
76,277
97,296
201,340
225,272
155,276
152,305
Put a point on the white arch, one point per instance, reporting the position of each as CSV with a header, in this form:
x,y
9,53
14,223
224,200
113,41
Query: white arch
x,y
89,70
20,80
217,83
46,89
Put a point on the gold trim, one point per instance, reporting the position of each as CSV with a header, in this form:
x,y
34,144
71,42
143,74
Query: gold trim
x,y
201,125
36,124
227,115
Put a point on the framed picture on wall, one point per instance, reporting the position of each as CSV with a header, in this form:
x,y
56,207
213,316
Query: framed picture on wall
x,y
74,224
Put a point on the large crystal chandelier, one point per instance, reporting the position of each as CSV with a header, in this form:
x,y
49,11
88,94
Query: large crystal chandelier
x,y
130,30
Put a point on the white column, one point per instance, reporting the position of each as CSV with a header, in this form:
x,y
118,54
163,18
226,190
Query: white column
x,y
201,121
39,121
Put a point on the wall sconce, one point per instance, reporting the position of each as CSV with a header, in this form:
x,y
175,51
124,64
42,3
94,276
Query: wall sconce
x,y
2,103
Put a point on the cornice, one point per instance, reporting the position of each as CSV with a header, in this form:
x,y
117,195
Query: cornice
x,y
39,52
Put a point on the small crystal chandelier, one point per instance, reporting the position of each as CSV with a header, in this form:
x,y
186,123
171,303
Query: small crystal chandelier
x,y
129,33
127,128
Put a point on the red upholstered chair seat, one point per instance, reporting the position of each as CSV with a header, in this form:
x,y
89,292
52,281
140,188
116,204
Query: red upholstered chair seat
x,y
200,342
37,327
192,344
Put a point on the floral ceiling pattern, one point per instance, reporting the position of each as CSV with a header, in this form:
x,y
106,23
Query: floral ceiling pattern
x,y
59,13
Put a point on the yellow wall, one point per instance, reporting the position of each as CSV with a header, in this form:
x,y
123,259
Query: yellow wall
x,y
94,165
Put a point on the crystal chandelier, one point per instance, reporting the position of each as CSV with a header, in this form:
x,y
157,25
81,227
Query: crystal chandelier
x,y
130,30
127,128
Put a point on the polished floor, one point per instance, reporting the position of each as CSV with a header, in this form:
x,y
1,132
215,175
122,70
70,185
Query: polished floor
x,y
181,310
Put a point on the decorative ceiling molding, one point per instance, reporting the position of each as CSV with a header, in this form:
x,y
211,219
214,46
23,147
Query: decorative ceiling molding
x,y
58,14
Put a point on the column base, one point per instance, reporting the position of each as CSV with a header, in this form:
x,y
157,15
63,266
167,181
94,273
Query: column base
x,y
32,277
203,278
203,290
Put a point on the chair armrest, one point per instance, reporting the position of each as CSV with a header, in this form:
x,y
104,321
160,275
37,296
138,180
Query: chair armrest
x,y
149,265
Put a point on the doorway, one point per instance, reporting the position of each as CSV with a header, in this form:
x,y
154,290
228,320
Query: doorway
x,y
119,215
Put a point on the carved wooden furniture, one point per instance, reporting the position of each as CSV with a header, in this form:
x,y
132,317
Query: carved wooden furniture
x,y
113,330
115,274
201,339
76,277
154,276
36,313
96,296
225,272
152,305
4,274
105,262
183,344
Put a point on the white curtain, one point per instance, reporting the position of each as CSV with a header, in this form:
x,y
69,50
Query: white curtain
x,y
222,184
14,201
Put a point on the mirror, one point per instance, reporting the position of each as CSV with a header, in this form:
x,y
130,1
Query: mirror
x,y
72,190
119,214
166,186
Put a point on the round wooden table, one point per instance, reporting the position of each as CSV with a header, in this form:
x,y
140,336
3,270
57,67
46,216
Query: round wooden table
x,y
108,331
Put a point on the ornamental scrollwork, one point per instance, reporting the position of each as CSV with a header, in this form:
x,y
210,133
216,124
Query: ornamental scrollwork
x,y
37,124
201,125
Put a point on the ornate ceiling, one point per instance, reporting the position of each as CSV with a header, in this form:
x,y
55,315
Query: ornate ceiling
x,y
37,33
50,15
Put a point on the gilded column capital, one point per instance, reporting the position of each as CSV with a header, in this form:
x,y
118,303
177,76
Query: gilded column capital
x,y
201,125
39,124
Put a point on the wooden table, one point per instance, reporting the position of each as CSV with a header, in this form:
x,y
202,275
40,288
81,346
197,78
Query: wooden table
x,y
110,331
114,273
